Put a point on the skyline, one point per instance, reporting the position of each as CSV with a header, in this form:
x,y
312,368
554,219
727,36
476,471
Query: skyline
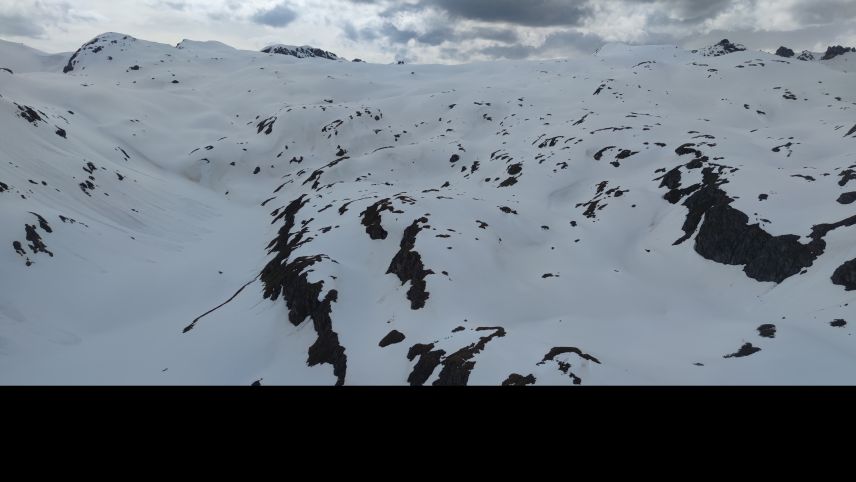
x,y
436,31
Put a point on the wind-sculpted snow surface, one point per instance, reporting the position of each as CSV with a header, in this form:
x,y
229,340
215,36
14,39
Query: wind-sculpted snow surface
x,y
204,215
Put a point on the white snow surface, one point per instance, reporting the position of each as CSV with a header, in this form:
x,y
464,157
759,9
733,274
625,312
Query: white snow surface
x,y
161,200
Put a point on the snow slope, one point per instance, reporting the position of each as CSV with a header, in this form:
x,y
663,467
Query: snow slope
x,y
644,216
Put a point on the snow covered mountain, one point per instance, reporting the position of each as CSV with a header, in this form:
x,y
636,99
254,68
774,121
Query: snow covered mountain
x,y
205,215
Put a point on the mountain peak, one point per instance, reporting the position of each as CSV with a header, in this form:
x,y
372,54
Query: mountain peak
x,y
96,45
722,47
301,52
836,50
784,52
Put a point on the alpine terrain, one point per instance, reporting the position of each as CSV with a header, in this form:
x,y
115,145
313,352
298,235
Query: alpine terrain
x,y
199,214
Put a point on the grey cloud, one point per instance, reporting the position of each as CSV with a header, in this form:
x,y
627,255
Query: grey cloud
x,y
33,20
534,13
820,12
511,52
579,42
692,11
20,26
179,5
278,16
557,13
433,35
559,44
497,34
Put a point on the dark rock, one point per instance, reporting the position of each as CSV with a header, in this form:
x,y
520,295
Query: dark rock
x,y
266,125
564,366
517,380
36,245
457,366
287,277
785,52
407,265
372,218
845,275
391,338
847,197
42,223
301,52
723,47
836,50
428,361
767,331
599,154
805,55
726,237
508,182
61,132
846,175
558,350
745,350
624,154
29,114
838,323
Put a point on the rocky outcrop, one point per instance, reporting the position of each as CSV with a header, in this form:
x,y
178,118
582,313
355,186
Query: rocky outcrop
x,y
785,52
836,50
722,47
805,55
302,52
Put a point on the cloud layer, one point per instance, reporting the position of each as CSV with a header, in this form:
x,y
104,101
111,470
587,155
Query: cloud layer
x,y
446,31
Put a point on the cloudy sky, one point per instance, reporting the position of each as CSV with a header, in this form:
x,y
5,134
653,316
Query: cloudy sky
x,y
443,31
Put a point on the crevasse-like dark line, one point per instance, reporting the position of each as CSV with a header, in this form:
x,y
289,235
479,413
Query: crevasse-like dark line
x,y
193,323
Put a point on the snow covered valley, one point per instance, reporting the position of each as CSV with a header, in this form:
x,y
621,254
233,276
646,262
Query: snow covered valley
x,y
203,215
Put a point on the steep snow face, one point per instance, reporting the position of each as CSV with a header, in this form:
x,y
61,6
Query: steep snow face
x,y
301,52
201,215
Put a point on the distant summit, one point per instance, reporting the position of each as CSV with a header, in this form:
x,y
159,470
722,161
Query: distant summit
x,y
831,52
785,52
805,55
302,52
723,47
835,51
97,45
